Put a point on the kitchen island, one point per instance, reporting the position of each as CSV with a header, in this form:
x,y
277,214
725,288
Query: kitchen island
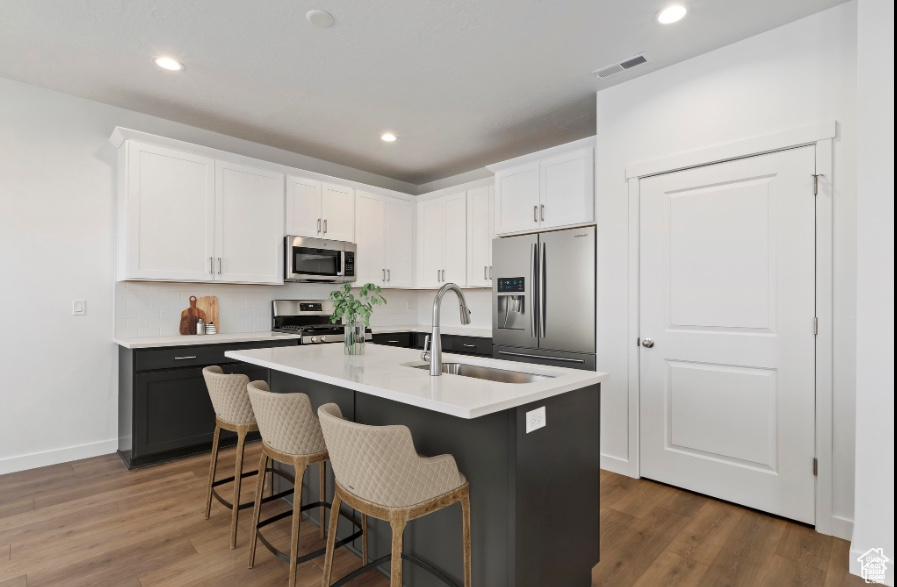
x,y
534,496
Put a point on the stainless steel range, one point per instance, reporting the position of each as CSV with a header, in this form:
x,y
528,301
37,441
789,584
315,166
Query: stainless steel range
x,y
310,319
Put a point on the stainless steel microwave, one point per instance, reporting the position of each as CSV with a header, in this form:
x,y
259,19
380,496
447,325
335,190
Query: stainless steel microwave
x,y
319,260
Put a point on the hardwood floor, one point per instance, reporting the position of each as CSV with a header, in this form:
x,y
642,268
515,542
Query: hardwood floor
x,y
92,522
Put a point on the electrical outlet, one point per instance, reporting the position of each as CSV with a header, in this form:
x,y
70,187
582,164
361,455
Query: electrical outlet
x,y
408,306
79,307
535,419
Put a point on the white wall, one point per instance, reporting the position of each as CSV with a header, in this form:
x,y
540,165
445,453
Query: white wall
x,y
58,400
874,516
797,75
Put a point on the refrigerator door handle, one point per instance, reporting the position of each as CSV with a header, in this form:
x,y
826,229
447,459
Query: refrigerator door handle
x,y
542,278
534,275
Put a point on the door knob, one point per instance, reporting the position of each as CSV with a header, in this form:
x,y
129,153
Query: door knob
x,y
648,343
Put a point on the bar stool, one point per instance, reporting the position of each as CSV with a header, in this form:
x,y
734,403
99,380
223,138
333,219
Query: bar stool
x,y
233,412
291,434
379,473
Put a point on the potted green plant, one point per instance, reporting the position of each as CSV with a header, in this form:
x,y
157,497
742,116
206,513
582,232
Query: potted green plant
x,y
355,313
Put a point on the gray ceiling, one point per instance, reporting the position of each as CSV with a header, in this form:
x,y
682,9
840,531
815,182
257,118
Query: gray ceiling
x,y
462,83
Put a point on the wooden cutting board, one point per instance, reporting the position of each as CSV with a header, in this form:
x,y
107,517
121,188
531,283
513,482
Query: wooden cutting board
x,y
190,316
209,305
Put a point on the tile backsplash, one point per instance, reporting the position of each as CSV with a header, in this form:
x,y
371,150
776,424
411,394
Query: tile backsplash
x,y
154,308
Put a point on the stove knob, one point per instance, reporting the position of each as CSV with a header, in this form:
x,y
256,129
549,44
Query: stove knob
x,y
314,339
323,339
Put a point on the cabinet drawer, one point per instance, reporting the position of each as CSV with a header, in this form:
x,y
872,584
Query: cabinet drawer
x,y
198,355
397,339
471,345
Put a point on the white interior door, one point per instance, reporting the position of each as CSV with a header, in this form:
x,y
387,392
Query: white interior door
x,y
727,283
249,217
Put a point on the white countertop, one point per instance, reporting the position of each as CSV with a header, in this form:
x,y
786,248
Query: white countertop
x,y
426,328
147,342
380,372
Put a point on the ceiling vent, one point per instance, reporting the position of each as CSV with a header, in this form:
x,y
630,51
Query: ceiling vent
x,y
621,66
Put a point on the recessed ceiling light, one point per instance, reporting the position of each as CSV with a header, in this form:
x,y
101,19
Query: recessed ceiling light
x,y
319,18
388,137
671,14
169,64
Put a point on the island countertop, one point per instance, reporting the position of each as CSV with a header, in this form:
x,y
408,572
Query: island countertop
x,y
382,372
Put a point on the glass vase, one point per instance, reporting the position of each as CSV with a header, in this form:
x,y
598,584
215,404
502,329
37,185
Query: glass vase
x,y
354,333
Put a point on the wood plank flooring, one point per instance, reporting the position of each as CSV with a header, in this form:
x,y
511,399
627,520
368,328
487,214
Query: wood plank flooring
x,y
92,522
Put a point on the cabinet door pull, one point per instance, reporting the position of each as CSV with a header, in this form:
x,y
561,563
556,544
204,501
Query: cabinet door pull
x,y
490,272
384,274
542,213
211,266
392,341
185,358
325,226
470,346
485,272
219,265
535,213
319,225
388,275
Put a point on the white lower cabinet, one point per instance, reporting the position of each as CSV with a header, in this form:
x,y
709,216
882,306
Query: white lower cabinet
x,y
383,235
186,217
480,232
442,241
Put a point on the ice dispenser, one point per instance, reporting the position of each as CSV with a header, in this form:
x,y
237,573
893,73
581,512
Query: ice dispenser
x,y
512,304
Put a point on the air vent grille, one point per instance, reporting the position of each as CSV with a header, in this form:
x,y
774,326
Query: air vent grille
x,y
621,66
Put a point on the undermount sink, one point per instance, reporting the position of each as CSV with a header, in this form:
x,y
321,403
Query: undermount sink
x,y
488,373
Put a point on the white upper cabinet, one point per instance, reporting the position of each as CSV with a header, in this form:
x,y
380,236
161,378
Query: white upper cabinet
x,y
567,196
442,241
383,234
480,232
337,212
319,209
167,214
517,199
249,217
549,189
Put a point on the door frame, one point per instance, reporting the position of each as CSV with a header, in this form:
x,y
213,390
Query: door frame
x,y
821,136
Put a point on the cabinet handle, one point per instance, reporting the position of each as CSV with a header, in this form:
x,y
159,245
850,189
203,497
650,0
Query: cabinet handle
x,y
384,274
470,346
219,265
319,225
186,358
535,213
325,226
485,272
543,212
388,275
490,272
392,341
211,266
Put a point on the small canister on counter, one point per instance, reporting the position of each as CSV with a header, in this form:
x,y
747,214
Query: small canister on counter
x,y
200,326
211,328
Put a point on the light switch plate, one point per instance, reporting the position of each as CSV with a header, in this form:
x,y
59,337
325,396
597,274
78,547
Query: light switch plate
x,y
79,307
535,419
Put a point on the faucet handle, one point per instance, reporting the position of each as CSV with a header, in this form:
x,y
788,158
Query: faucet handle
x,y
425,355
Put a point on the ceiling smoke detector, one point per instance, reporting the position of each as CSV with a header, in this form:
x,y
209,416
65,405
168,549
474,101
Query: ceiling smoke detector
x,y
319,18
621,66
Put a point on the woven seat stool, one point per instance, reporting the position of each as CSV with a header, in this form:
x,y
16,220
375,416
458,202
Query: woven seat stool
x,y
379,473
233,413
291,434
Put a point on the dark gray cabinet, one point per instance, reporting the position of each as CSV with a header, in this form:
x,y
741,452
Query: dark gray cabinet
x,y
462,345
164,407
399,339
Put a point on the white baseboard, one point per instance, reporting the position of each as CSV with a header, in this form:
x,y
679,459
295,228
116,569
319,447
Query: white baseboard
x,y
619,466
842,528
56,456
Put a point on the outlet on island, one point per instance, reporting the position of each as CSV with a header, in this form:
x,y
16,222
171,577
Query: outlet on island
x,y
535,419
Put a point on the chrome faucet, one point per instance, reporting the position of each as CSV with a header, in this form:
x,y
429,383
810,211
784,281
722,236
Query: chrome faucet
x,y
433,343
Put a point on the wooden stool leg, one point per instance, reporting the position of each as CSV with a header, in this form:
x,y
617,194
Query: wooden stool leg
x,y
331,537
257,511
238,482
364,539
323,492
465,517
212,465
299,473
397,521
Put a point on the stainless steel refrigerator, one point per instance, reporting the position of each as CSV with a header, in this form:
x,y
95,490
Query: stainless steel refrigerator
x,y
543,298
